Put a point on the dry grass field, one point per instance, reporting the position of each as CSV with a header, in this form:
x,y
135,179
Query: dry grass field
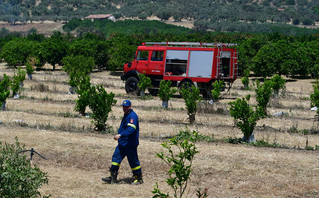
x,y
44,119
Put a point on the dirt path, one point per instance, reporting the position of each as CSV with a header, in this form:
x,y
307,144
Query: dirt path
x,y
45,27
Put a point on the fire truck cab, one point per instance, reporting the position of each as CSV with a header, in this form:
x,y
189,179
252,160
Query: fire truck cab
x,y
190,63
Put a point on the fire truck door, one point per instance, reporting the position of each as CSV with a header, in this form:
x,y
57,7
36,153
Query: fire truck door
x,y
142,61
156,64
225,63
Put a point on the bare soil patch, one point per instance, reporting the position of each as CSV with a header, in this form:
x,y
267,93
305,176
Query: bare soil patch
x,y
44,27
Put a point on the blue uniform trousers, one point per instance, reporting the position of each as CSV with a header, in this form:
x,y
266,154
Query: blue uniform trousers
x,y
120,153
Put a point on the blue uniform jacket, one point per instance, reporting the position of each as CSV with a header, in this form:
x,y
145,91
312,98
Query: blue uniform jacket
x,y
129,130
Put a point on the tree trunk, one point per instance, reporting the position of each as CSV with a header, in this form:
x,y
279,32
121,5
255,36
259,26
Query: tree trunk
x,y
165,104
3,106
72,90
251,139
191,118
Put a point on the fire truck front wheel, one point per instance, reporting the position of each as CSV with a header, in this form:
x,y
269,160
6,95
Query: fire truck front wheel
x,y
131,86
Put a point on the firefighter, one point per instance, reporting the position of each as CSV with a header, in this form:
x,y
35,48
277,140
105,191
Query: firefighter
x,y
128,141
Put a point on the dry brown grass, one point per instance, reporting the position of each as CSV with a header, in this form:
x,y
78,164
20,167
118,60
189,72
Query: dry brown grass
x,y
78,157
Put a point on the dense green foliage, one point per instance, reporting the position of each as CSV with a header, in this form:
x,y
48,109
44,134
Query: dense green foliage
x,y
15,52
54,49
127,27
180,163
227,16
18,177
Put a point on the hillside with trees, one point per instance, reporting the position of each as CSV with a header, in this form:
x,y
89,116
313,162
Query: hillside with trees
x,y
221,15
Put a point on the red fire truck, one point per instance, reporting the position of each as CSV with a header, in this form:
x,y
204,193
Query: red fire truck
x,y
189,63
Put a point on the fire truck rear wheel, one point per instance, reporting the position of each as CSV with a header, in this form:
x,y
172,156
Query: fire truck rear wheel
x,y
131,86
153,92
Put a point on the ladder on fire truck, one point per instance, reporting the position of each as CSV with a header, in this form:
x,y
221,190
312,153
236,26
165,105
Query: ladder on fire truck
x,y
192,44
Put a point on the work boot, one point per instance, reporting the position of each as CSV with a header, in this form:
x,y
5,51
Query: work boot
x,y
137,179
111,179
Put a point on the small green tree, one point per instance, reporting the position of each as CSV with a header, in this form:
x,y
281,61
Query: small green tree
x,y
17,81
29,66
80,63
101,104
314,97
16,51
180,164
166,91
245,117
84,92
75,79
191,97
15,86
54,49
245,78
18,177
217,86
143,83
277,83
263,93
76,67
4,90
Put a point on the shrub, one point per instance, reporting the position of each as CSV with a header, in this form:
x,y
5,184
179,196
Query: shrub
x,y
165,90
75,78
101,104
180,164
263,93
18,177
245,79
277,83
21,74
191,97
4,88
15,86
217,86
17,81
144,82
245,117
84,92
29,68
